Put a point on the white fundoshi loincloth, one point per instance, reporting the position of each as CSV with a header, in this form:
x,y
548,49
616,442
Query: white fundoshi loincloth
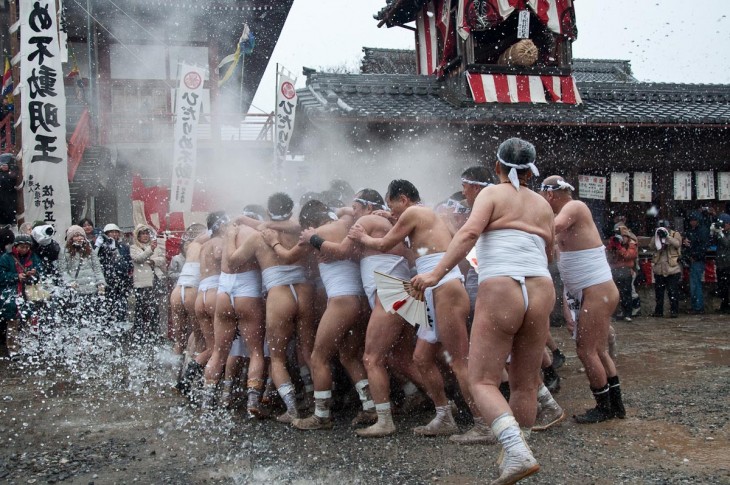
x,y
189,278
426,264
512,253
209,283
341,278
581,269
284,275
390,264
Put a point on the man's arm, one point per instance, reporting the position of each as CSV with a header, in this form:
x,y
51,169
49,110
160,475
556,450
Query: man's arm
x,y
402,228
566,217
332,250
246,251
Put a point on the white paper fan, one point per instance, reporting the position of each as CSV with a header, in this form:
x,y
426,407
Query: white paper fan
x,y
472,258
393,294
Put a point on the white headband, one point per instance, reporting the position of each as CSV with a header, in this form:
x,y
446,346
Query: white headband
x,y
282,217
217,224
253,215
559,185
474,182
367,202
513,171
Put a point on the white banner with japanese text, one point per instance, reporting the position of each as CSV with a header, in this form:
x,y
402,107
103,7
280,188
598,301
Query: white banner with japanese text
x,y
45,158
286,105
705,185
682,185
185,148
591,187
723,185
619,187
642,186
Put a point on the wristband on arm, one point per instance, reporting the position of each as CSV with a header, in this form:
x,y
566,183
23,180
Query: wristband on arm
x,y
316,241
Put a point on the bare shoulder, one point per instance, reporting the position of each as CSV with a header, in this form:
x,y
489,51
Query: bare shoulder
x,y
371,221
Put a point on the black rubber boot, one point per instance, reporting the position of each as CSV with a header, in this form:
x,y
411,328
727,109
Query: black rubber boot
x,y
602,411
551,379
190,377
614,395
558,359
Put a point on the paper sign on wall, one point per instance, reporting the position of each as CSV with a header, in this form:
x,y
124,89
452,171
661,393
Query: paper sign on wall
x,y
642,186
619,187
705,185
591,187
682,185
723,185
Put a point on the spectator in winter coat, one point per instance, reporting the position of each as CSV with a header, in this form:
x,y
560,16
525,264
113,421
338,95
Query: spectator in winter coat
x,y
694,246
116,263
18,269
721,232
667,247
621,253
81,274
149,270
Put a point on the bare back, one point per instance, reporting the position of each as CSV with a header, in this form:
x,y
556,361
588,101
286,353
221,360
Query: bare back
x,y
210,257
575,229
427,232
377,226
502,207
242,235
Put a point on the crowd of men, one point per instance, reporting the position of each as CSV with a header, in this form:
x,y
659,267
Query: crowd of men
x,y
278,300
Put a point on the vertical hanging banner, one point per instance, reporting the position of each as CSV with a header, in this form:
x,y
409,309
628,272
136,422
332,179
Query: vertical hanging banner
x,y
45,159
682,185
723,185
62,32
590,187
705,185
286,105
619,187
642,186
185,148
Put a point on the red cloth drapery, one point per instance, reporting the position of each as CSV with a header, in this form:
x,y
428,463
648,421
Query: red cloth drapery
x,y
557,15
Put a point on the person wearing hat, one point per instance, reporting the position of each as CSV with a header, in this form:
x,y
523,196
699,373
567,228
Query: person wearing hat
x,y
81,275
667,247
721,231
694,247
116,263
18,269
150,267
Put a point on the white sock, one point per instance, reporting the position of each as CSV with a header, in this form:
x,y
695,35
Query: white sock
x,y
321,403
364,393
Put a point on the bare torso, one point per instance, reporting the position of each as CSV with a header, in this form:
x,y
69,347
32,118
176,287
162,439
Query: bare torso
x,y
210,257
242,235
377,226
502,207
575,229
429,234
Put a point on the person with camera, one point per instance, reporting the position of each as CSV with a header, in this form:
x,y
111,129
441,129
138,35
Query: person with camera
x,y
667,247
46,248
20,269
116,263
150,267
622,251
720,230
694,249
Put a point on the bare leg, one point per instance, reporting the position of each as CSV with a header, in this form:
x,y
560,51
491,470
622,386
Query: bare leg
x,y
599,303
205,312
179,317
224,332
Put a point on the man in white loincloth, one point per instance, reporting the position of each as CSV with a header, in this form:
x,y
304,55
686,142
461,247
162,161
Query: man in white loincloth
x,y
589,285
513,230
449,304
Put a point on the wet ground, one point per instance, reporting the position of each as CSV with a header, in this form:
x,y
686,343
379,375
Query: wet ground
x,y
108,417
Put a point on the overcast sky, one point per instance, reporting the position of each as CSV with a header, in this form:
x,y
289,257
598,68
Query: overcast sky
x,y
665,40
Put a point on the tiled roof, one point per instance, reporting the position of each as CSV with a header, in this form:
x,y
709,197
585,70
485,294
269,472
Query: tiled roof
x,y
403,61
425,100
